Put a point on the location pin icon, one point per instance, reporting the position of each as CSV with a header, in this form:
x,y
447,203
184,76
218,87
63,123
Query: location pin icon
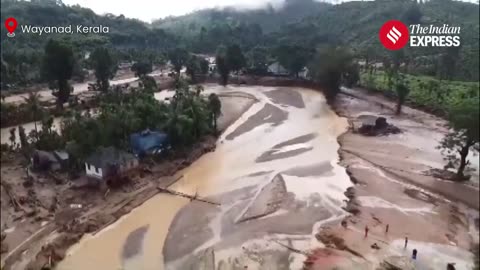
x,y
11,25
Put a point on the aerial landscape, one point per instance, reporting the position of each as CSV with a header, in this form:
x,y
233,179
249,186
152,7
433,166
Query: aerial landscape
x,y
283,134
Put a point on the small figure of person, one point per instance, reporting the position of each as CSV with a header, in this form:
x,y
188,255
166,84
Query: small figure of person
x,y
386,228
414,254
406,242
366,231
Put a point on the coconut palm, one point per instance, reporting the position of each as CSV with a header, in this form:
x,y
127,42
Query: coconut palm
x,y
32,102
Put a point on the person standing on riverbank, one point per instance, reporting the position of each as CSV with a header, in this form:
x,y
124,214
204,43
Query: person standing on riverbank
x,y
406,242
414,254
366,231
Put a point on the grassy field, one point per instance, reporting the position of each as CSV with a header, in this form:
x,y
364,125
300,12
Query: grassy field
x,y
426,92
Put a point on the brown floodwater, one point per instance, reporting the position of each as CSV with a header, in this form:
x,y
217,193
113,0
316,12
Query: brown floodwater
x,y
302,134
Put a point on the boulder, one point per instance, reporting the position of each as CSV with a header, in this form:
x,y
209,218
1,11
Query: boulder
x,y
378,127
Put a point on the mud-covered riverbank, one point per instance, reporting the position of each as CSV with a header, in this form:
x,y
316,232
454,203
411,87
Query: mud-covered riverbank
x,y
393,188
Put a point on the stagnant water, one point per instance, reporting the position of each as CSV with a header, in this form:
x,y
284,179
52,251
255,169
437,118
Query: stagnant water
x,y
290,133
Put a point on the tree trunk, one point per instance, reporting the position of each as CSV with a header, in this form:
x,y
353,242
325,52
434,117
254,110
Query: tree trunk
x,y
215,123
399,107
463,160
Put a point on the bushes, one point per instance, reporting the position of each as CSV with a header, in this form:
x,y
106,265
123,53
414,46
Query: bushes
x,y
433,95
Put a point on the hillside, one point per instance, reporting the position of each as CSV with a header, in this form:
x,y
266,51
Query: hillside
x,y
354,24
21,56
269,18
360,30
306,23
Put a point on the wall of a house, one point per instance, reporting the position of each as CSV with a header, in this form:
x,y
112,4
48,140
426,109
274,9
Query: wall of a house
x,y
129,165
92,171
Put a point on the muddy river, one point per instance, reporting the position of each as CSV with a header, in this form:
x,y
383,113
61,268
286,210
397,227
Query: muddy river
x,y
284,145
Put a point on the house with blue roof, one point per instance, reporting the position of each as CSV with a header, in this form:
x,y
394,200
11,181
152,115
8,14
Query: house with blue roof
x,y
148,143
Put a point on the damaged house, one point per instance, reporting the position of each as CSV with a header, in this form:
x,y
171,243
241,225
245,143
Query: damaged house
x,y
108,162
49,161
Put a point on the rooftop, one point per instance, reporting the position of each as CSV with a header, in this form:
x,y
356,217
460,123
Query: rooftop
x,y
105,156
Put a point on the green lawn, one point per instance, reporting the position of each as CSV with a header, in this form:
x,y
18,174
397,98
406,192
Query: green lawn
x,y
425,91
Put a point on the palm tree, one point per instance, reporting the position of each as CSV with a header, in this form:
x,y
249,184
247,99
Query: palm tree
x,y
215,107
32,102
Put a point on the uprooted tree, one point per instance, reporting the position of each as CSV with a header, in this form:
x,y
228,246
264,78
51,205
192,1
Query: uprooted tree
x,y
463,136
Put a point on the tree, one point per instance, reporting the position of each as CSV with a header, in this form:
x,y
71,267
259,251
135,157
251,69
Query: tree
x,y
351,75
257,60
148,84
141,68
463,116
203,66
215,107
58,67
193,68
32,101
412,15
448,62
235,58
293,58
329,68
104,66
223,67
178,57
402,90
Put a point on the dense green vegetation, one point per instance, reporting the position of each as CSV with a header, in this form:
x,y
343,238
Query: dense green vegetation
x,y
425,91
22,56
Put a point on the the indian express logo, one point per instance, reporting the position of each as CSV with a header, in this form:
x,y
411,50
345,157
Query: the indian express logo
x,y
394,35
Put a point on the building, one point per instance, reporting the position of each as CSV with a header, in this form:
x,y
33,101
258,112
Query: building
x,y
49,161
109,162
277,70
44,161
148,143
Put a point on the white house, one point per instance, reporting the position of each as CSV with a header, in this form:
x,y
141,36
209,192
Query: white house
x,y
109,161
277,69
